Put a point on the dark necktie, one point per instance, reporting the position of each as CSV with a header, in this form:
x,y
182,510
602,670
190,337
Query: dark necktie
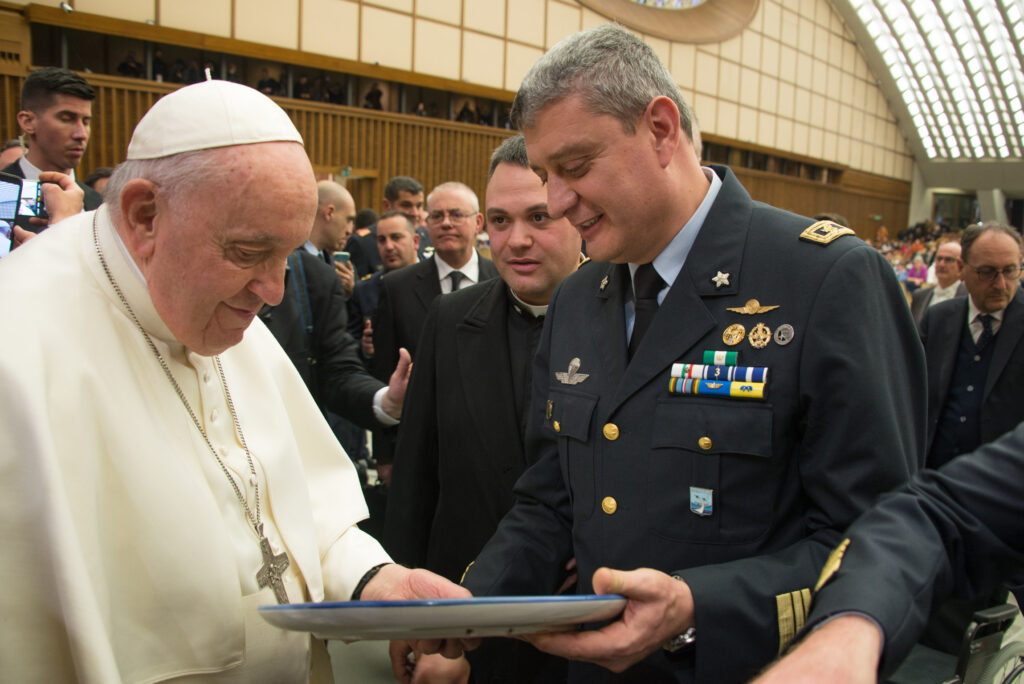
x,y
326,256
646,286
456,277
986,331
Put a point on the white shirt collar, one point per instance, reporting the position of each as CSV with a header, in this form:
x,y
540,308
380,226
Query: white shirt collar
x,y
670,262
471,269
31,171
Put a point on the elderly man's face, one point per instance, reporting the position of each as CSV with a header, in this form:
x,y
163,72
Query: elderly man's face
x,y
220,254
532,251
947,263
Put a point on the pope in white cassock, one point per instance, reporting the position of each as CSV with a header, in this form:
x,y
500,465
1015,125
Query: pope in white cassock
x,y
163,470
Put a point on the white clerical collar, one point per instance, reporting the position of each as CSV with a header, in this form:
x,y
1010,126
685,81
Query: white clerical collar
x,y
535,310
471,269
129,278
670,262
31,171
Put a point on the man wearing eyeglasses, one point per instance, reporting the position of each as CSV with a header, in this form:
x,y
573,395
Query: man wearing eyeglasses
x,y
948,266
453,220
974,349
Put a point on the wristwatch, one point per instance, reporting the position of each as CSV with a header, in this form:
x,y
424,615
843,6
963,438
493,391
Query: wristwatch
x,y
680,641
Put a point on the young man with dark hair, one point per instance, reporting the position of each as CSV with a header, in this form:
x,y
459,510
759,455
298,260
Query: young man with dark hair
x,y
56,113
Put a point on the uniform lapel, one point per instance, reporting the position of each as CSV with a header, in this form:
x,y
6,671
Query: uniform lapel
x,y
1006,340
610,339
482,352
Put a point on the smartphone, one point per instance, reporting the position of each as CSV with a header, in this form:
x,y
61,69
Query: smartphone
x,y
10,194
20,199
341,257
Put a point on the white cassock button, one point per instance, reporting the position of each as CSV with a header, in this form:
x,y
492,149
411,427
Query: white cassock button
x,y
206,377
214,414
963,419
970,388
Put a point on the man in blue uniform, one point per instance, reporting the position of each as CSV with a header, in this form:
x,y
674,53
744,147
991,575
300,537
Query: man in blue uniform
x,y
707,407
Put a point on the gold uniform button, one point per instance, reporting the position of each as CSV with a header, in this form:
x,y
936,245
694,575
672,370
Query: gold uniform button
x,y
611,433
704,443
609,505
557,426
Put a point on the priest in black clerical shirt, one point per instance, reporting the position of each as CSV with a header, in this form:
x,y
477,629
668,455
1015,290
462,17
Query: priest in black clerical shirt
x,y
460,445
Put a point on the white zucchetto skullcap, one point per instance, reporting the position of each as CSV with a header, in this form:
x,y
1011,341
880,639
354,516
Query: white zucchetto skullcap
x,y
207,115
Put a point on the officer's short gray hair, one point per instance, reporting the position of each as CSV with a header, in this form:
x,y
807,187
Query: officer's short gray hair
x,y
614,72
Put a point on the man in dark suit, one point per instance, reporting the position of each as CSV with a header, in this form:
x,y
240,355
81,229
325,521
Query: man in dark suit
x,y
397,243
728,485
403,194
947,273
56,113
460,446
454,220
974,347
951,530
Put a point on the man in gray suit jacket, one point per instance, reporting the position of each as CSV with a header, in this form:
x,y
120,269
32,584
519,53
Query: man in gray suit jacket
x,y
947,271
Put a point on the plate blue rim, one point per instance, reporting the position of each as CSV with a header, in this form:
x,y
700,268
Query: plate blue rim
x,y
474,601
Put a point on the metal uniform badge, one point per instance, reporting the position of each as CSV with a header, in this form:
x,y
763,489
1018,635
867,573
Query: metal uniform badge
x,y
549,410
572,377
824,232
604,284
733,335
701,501
720,280
760,336
752,307
784,334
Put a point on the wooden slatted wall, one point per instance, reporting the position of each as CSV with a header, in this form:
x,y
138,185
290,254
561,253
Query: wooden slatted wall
x,y
378,145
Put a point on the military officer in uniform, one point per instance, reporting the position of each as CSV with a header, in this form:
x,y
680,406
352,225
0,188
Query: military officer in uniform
x,y
707,411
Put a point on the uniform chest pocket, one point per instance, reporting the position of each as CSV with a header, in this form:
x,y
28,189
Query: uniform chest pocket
x,y
571,417
710,473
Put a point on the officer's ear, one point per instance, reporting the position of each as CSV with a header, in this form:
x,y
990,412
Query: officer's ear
x,y
661,121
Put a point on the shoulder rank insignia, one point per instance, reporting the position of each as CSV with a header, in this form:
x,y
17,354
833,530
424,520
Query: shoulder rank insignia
x,y
572,377
824,232
752,307
367,276
363,232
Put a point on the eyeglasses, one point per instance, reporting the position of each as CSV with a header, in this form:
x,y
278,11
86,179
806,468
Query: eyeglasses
x,y
987,274
454,215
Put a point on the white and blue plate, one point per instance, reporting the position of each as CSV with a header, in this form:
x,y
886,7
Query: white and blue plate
x,y
443,618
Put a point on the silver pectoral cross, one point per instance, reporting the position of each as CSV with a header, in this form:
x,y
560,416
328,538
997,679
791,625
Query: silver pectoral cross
x,y
273,568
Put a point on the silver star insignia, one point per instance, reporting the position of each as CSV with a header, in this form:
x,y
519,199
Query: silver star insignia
x,y
720,280
572,377
604,283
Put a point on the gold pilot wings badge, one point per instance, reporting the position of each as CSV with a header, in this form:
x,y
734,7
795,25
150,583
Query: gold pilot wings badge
x,y
572,377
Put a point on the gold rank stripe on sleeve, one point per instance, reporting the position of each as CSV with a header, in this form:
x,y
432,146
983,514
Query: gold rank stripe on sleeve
x,y
792,609
835,559
825,232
